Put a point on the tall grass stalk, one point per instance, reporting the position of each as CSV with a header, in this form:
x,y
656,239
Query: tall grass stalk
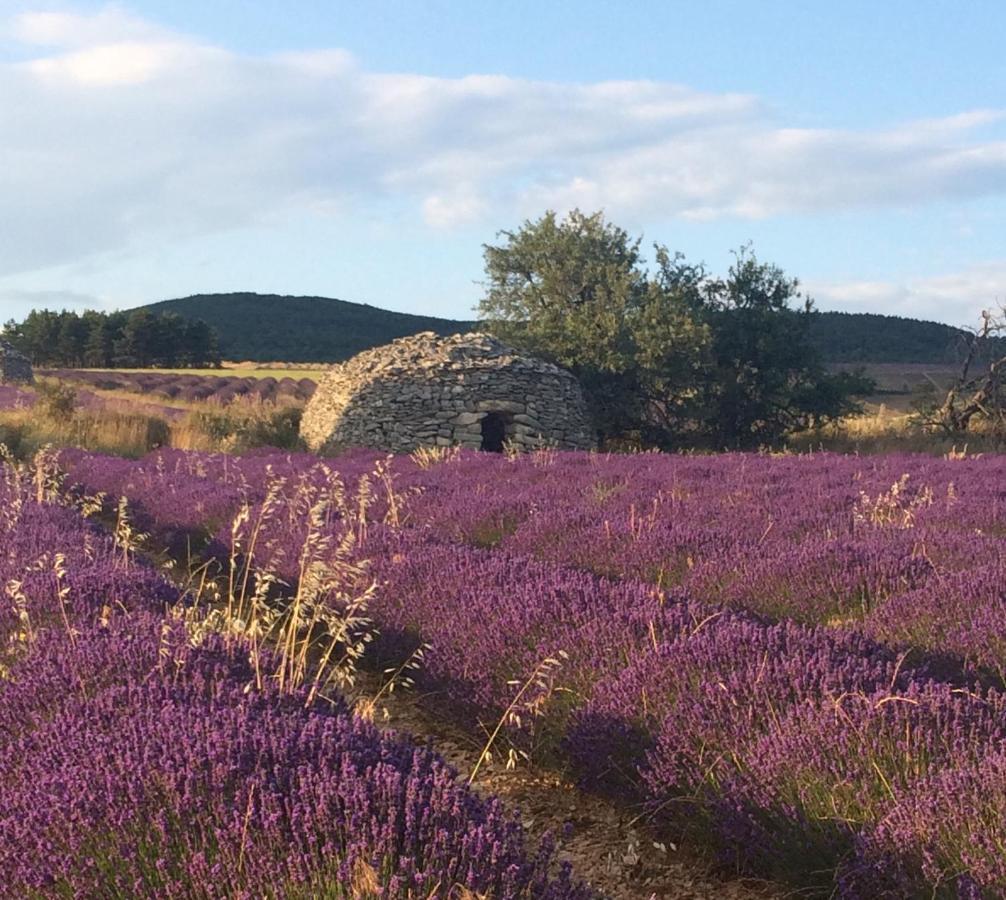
x,y
317,627
541,677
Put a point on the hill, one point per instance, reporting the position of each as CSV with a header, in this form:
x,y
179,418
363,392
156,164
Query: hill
x,y
871,338
267,327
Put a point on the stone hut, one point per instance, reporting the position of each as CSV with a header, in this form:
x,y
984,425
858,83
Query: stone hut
x,y
468,390
15,367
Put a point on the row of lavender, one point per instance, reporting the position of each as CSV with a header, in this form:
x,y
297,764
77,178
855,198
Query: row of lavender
x,y
804,748
221,389
15,398
138,760
906,549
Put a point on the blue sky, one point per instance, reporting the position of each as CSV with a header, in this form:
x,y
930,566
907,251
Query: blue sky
x,y
367,151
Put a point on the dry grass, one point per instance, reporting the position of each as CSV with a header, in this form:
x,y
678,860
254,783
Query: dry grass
x,y
24,431
239,370
315,626
244,424
246,402
249,422
886,430
238,427
541,685
427,457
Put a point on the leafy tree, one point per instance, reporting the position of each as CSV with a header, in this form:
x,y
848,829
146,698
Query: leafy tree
x,y
138,345
72,339
574,291
566,288
767,377
199,345
101,340
102,333
672,358
36,336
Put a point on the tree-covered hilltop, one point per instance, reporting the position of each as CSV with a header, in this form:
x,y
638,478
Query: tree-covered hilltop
x,y
872,338
101,340
273,327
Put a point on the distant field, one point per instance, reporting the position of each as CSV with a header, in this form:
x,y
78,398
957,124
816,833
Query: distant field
x,y
898,383
903,377
186,386
235,371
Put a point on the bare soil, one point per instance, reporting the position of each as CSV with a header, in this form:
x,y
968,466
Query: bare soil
x,y
607,847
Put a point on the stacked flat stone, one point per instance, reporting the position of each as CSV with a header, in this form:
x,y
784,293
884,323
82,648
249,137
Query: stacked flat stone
x,y
15,367
427,390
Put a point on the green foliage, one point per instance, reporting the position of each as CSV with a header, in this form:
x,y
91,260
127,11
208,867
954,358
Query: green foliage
x,y
240,428
17,437
671,358
566,289
107,340
573,291
55,399
767,378
872,338
156,432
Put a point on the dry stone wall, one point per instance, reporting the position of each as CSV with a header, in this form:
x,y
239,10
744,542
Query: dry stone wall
x,y
15,367
427,390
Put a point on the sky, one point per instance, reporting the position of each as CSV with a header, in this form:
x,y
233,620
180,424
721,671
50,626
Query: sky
x,y
368,151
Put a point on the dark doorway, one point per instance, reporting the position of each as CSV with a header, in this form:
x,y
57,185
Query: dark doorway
x,y
493,432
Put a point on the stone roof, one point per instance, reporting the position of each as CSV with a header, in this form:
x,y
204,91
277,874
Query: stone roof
x,y
429,352
428,389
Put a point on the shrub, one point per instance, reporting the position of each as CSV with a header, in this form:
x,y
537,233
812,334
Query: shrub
x,y
250,426
57,400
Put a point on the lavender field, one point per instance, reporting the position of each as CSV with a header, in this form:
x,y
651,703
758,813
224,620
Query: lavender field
x,y
796,660
146,754
190,388
19,398
523,451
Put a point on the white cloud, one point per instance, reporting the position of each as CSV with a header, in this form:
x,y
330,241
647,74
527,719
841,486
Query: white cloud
x,y
956,297
125,62
67,29
460,206
119,135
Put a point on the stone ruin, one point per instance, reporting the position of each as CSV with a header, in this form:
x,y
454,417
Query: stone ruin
x,y
15,367
467,390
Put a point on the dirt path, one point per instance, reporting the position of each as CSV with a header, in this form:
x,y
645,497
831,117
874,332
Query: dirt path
x,y
615,855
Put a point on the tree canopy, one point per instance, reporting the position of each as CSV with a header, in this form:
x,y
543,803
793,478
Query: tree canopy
x,y
103,340
669,357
